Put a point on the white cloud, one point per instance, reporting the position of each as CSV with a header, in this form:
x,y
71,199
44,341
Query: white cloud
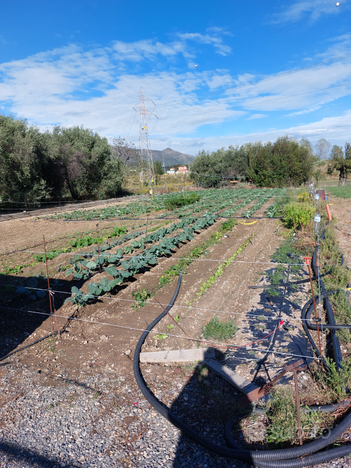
x,y
148,49
295,89
256,116
95,88
312,8
217,42
336,130
305,111
219,80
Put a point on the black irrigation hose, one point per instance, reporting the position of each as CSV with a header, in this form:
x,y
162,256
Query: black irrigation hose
x,y
29,345
328,308
265,459
306,307
311,323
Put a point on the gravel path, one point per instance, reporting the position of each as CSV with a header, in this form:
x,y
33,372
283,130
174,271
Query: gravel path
x,y
101,421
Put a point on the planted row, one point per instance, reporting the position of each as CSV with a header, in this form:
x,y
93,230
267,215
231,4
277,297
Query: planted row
x,y
138,263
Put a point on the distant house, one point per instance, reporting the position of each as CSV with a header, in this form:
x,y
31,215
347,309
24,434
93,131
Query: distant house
x,y
182,170
171,171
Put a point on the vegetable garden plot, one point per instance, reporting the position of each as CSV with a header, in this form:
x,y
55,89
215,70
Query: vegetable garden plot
x,y
84,268
203,200
108,257
147,257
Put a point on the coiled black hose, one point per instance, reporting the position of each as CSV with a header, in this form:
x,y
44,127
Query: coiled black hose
x,y
265,459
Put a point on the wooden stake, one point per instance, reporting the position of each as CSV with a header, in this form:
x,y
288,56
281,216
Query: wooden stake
x,y
297,400
49,289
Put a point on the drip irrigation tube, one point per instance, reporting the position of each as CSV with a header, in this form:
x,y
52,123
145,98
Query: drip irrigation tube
x,y
29,345
311,323
288,458
328,308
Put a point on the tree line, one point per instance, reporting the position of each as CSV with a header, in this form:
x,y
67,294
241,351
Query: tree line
x,y
73,163
286,162
76,163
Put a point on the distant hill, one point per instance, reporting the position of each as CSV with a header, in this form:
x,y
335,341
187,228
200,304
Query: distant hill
x,y
171,157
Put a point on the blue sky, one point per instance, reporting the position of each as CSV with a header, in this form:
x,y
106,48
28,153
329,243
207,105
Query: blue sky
x,y
264,68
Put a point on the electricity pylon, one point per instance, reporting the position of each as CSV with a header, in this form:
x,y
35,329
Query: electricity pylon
x,y
144,140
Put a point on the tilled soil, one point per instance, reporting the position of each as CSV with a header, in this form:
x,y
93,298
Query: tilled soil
x,y
73,400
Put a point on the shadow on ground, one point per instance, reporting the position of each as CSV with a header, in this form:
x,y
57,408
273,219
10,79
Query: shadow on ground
x,y
24,307
11,453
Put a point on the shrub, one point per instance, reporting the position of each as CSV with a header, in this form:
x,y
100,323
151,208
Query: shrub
x,y
303,197
181,200
298,216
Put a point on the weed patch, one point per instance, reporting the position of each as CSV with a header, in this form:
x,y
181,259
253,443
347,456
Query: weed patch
x,y
141,297
342,192
218,330
336,382
282,415
195,253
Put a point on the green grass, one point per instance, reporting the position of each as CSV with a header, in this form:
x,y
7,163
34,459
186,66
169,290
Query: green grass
x,y
334,381
219,331
342,192
282,416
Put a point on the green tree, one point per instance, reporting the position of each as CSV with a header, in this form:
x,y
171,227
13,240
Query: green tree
x,y
84,163
340,161
205,170
22,161
158,170
283,163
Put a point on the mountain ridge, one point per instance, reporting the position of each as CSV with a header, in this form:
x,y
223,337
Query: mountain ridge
x,y
171,157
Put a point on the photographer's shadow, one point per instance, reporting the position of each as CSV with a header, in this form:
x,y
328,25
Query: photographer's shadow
x,y
205,404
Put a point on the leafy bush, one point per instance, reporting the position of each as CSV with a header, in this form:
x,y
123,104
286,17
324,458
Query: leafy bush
x,y
280,164
303,197
298,216
181,200
219,331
